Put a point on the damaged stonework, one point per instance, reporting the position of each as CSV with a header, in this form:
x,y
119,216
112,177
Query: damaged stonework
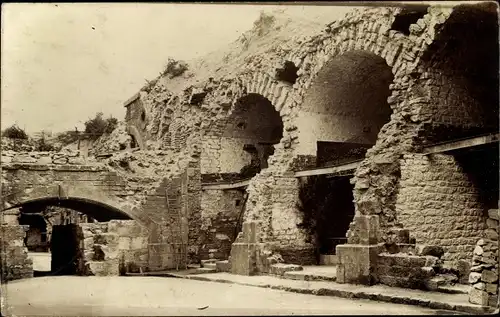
x,y
15,263
484,277
204,112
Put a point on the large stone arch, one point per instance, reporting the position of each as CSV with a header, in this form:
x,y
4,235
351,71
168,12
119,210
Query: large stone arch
x,y
376,179
458,80
71,195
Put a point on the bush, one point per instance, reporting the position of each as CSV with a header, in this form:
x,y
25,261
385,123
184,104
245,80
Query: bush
x,y
263,23
97,126
174,68
15,132
43,146
67,137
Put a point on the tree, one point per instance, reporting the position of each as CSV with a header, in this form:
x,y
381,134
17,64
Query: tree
x,y
15,132
98,126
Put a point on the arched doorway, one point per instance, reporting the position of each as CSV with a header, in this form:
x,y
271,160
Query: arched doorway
x,y
233,154
248,137
55,237
342,113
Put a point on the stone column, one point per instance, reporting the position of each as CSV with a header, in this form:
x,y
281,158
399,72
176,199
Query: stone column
x,y
358,258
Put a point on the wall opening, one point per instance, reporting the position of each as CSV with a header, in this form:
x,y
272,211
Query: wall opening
x,y
407,17
288,73
249,136
480,164
345,108
53,236
133,142
328,209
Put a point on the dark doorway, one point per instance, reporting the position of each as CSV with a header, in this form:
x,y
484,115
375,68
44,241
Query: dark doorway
x,y
65,249
335,212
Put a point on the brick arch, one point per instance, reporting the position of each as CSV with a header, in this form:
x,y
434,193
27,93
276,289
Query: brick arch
x,y
70,192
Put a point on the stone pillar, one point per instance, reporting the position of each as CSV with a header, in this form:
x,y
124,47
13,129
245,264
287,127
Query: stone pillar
x,y
358,258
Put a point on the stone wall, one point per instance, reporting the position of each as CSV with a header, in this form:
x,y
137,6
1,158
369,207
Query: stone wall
x,y
177,122
45,158
100,250
15,263
484,278
439,205
114,247
220,210
132,245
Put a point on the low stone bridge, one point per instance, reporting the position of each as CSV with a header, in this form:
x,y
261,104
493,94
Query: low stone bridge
x,y
161,206
91,189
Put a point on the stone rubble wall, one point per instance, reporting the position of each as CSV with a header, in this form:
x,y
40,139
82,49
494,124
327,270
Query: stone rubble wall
x,y
439,205
132,245
178,122
100,250
15,263
113,248
45,158
219,216
484,278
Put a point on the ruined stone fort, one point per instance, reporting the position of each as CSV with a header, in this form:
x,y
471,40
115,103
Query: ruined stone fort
x,y
370,146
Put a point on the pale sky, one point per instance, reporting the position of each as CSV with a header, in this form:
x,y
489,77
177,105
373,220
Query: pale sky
x,y
62,63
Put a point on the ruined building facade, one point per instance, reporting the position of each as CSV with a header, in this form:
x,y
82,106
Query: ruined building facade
x,y
328,145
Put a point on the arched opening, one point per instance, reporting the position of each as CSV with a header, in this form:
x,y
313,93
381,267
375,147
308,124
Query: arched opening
x,y
456,185
133,142
235,154
249,136
342,114
54,235
462,73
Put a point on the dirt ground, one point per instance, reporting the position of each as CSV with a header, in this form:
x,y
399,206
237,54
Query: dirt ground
x,y
100,296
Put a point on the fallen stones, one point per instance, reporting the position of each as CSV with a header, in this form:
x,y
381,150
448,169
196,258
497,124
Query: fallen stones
x,y
281,268
432,250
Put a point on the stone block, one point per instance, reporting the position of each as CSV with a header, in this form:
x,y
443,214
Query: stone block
x,y
241,262
124,243
357,263
464,270
432,250
478,297
491,234
139,243
223,266
106,239
103,268
494,214
491,288
88,243
367,230
480,286
474,277
489,276
478,250
281,268
492,224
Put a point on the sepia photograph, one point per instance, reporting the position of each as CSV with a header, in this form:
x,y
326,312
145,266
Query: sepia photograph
x,y
250,158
